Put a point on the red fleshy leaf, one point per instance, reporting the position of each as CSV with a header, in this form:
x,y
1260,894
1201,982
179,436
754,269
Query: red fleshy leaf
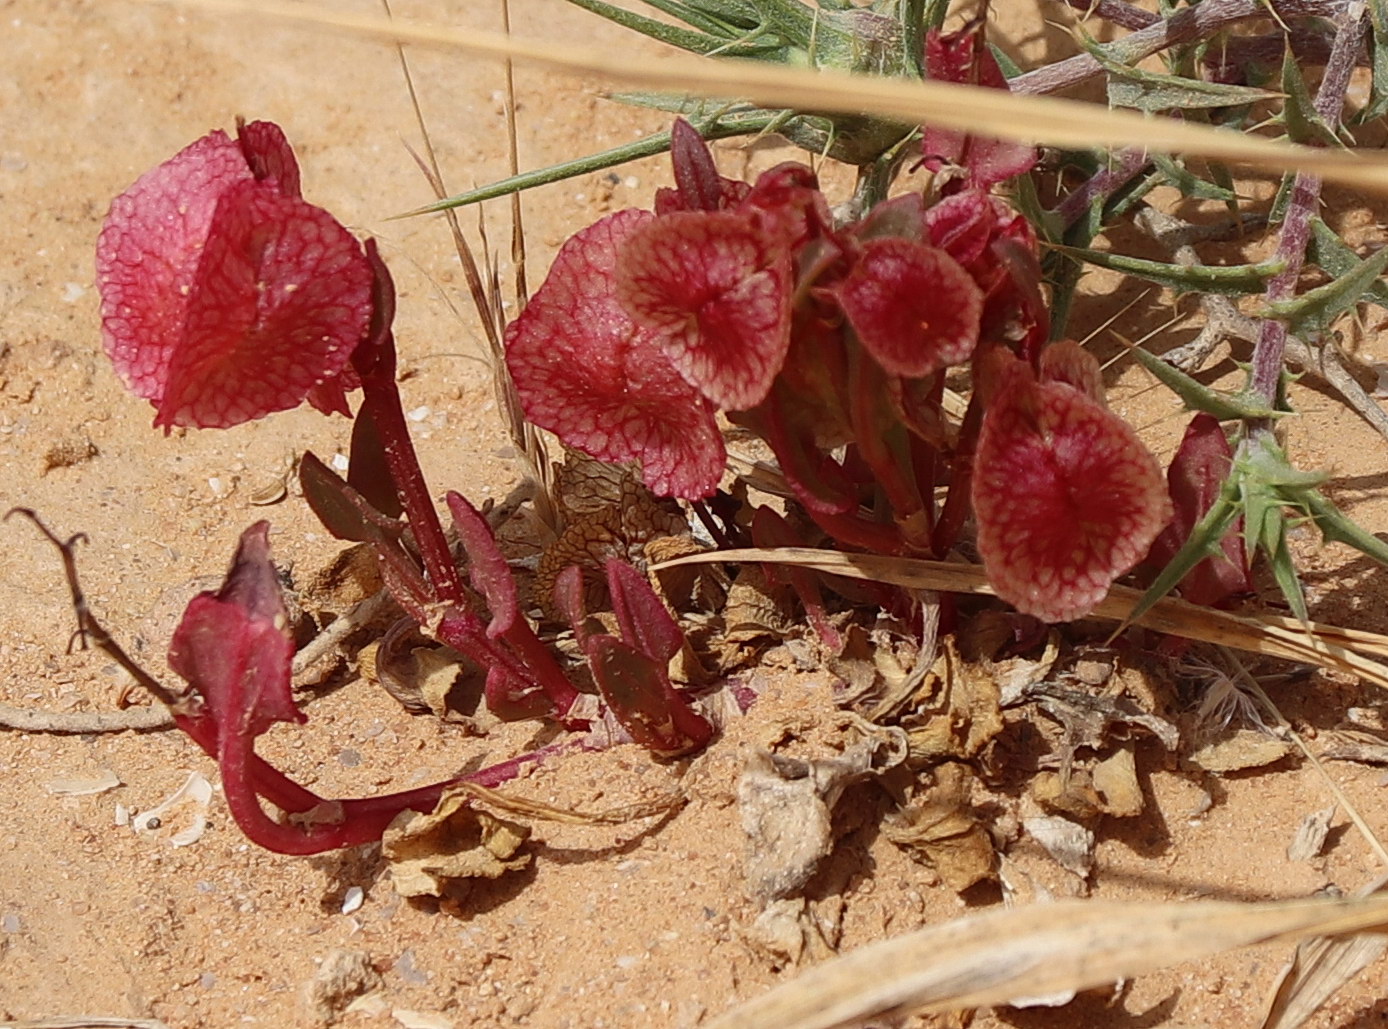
x,y
281,297
233,646
717,292
699,186
1068,362
788,206
1066,496
1194,481
962,57
997,246
641,615
269,155
487,568
695,173
224,295
914,308
588,373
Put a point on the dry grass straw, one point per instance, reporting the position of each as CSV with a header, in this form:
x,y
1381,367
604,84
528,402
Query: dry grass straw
x,y
1352,651
1030,119
1044,950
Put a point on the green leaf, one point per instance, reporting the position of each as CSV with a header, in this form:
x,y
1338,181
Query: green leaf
x,y
1235,279
721,20
1151,92
1204,541
1377,106
1312,313
664,32
1190,184
740,122
1337,257
1299,115
1199,397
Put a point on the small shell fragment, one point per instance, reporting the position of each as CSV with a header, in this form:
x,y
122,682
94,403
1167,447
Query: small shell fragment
x,y
108,780
197,791
353,899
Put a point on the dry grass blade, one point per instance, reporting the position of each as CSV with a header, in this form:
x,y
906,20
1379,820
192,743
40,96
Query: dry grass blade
x,y
511,804
1031,119
1316,972
1326,646
1007,955
484,289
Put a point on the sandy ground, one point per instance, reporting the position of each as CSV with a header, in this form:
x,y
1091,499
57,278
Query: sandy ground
x,y
639,925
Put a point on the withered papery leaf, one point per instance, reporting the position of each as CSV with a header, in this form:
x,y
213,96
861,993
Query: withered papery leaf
x,y
432,854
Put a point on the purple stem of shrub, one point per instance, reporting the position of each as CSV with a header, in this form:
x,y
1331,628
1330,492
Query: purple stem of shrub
x,y
1187,24
1309,44
1269,353
1123,166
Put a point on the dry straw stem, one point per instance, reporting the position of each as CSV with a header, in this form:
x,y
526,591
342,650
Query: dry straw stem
x,y
1029,119
1009,955
1343,650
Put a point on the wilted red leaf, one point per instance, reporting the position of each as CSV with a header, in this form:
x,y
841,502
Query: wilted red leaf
x,y
716,290
588,373
962,57
1194,481
233,646
914,308
1066,496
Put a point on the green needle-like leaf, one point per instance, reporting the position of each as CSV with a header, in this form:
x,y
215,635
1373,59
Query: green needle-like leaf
x,y
1311,314
1235,279
738,123
1337,257
1204,541
1299,115
1199,397
684,39
1189,183
1151,92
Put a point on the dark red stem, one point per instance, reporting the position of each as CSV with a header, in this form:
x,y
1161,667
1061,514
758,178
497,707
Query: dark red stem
x,y
374,362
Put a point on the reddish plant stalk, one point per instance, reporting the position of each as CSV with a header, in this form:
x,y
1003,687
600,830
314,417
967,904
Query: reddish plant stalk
x,y
374,362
